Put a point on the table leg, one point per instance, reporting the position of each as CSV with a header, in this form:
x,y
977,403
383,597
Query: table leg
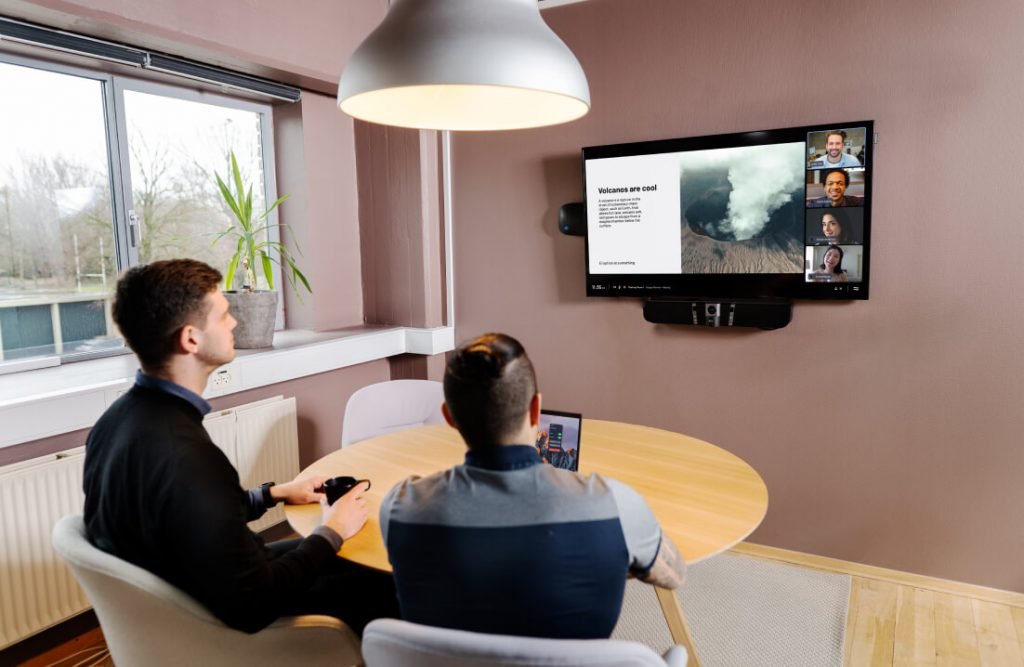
x,y
677,623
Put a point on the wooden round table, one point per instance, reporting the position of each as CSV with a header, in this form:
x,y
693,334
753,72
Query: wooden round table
x,y
705,498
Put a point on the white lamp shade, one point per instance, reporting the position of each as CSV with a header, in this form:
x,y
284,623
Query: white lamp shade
x,y
464,65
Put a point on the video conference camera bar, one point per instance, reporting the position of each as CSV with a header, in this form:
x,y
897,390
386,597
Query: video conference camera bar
x,y
764,314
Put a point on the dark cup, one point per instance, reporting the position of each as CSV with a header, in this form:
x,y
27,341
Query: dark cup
x,y
336,487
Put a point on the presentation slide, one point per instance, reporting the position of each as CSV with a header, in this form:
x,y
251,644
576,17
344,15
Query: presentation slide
x,y
728,210
633,214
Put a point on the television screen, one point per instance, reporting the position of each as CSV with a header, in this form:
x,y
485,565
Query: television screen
x,y
772,214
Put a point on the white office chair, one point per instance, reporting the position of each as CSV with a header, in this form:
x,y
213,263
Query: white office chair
x,y
393,643
391,406
146,621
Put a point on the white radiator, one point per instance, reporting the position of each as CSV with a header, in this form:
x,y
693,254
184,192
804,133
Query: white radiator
x,y
261,439
37,590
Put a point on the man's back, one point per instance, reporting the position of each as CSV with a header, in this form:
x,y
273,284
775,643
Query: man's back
x,y
509,545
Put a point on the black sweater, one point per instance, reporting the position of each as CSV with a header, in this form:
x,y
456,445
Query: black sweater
x,y
160,494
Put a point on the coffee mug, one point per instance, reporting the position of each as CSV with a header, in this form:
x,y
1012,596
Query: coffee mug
x,y
336,487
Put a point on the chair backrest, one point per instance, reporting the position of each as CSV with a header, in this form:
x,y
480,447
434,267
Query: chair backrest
x,y
393,643
146,621
391,406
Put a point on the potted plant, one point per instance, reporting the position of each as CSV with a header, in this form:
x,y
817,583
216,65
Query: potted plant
x,y
255,309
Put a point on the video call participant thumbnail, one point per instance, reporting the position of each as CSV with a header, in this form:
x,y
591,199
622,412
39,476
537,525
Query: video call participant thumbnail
x,y
835,226
831,267
835,153
834,264
835,183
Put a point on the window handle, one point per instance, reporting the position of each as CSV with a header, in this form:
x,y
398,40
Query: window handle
x,y
134,229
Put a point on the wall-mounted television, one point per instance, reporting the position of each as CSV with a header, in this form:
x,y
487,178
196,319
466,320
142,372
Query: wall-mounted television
x,y
783,214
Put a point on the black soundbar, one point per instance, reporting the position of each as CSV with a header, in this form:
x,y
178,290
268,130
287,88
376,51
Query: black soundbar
x,y
758,313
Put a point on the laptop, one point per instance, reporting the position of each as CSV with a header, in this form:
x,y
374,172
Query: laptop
x,y
558,440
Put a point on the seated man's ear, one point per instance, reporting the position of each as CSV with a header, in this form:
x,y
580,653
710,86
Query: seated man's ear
x,y
187,338
448,415
535,410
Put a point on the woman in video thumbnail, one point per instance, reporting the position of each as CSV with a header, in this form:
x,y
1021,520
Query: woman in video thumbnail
x,y
834,228
831,269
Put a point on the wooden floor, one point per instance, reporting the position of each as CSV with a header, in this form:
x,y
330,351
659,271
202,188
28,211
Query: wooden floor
x,y
895,618
902,619
86,650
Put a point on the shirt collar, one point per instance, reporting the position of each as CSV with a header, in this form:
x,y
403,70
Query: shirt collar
x,y
504,457
168,387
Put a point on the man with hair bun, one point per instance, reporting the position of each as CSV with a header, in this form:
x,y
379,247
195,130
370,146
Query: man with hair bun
x,y
505,543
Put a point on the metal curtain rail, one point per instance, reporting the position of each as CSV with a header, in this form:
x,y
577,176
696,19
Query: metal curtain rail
x,y
69,42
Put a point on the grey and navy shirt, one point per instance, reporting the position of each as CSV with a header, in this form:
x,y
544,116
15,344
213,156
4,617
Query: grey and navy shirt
x,y
509,545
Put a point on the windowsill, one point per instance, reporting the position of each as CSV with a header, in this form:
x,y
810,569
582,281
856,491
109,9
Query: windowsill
x,y
46,402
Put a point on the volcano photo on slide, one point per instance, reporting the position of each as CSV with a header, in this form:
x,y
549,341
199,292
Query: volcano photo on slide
x,y
742,209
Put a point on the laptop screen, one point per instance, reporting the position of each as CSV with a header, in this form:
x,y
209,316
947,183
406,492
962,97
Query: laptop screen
x,y
558,440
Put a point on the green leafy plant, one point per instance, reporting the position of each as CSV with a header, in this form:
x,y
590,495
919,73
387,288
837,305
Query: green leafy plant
x,y
253,247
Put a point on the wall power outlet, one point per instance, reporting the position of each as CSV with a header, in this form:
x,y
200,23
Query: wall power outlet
x,y
223,381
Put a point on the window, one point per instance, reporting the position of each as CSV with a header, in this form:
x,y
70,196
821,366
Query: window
x,y
174,148
100,172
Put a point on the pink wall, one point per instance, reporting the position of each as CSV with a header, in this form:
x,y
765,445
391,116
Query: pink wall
x,y
888,431
399,221
316,165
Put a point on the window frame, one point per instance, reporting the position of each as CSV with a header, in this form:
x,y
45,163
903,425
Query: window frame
x,y
126,240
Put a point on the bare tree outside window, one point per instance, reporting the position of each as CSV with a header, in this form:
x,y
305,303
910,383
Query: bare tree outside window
x,y
176,146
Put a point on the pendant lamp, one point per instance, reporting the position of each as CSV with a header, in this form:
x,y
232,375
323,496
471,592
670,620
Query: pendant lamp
x,y
464,65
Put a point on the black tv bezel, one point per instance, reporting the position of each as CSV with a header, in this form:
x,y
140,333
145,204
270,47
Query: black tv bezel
x,y
731,286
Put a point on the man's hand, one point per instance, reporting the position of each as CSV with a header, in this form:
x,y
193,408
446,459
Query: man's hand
x,y
299,491
347,516
669,569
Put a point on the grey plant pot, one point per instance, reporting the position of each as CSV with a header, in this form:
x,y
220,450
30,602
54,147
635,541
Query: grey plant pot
x,y
255,312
